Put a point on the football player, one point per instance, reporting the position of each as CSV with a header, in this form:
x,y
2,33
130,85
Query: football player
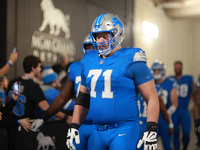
x,y
110,80
170,99
186,90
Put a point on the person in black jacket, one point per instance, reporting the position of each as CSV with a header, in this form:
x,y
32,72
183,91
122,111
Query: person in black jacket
x,y
6,120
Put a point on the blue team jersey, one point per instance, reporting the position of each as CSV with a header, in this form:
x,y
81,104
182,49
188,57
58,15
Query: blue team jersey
x,y
112,85
166,87
74,74
184,90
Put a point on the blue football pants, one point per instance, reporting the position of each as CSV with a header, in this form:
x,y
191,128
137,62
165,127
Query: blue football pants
x,y
122,136
181,117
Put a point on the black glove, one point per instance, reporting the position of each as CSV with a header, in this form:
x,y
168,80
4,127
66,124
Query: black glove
x,y
44,115
149,137
197,127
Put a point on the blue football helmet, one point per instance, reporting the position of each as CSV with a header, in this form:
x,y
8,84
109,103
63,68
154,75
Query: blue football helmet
x,y
107,23
158,65
87,42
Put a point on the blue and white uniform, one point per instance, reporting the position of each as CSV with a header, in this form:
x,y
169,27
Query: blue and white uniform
x,y
182,114
163,127
87,128
112,83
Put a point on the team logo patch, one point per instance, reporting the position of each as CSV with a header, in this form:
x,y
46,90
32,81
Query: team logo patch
x,y
101,62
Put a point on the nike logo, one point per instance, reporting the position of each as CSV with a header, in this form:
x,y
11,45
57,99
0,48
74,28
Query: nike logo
x,y
121,134
148,77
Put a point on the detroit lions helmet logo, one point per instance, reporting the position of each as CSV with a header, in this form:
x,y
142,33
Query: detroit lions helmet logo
x,y
116,22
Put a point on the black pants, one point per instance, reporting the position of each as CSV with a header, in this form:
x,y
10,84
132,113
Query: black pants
x,y
11,137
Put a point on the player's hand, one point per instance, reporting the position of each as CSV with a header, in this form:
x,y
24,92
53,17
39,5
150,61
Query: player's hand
x,y
197,127
37,124
72,135
149,137
171,129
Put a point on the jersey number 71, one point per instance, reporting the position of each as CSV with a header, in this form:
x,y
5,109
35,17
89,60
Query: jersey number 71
x,y
107,93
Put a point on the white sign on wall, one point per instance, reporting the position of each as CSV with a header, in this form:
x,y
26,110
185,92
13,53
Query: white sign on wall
x,y
47,45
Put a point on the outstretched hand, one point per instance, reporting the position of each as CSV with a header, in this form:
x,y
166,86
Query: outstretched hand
x,y
25,124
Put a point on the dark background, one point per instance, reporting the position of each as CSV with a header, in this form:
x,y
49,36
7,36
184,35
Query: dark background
x,y
55,131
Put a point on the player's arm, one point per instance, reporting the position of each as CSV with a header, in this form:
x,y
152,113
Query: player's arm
x,y
174,98
149,93
144,81
82,105
163,110
193,88
174,102
55,107
80,112
60,100
44,106
64,96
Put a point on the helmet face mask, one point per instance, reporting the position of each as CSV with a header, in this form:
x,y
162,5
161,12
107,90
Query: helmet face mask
x,y
87,45
158,69
105,46
107,23
157,76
